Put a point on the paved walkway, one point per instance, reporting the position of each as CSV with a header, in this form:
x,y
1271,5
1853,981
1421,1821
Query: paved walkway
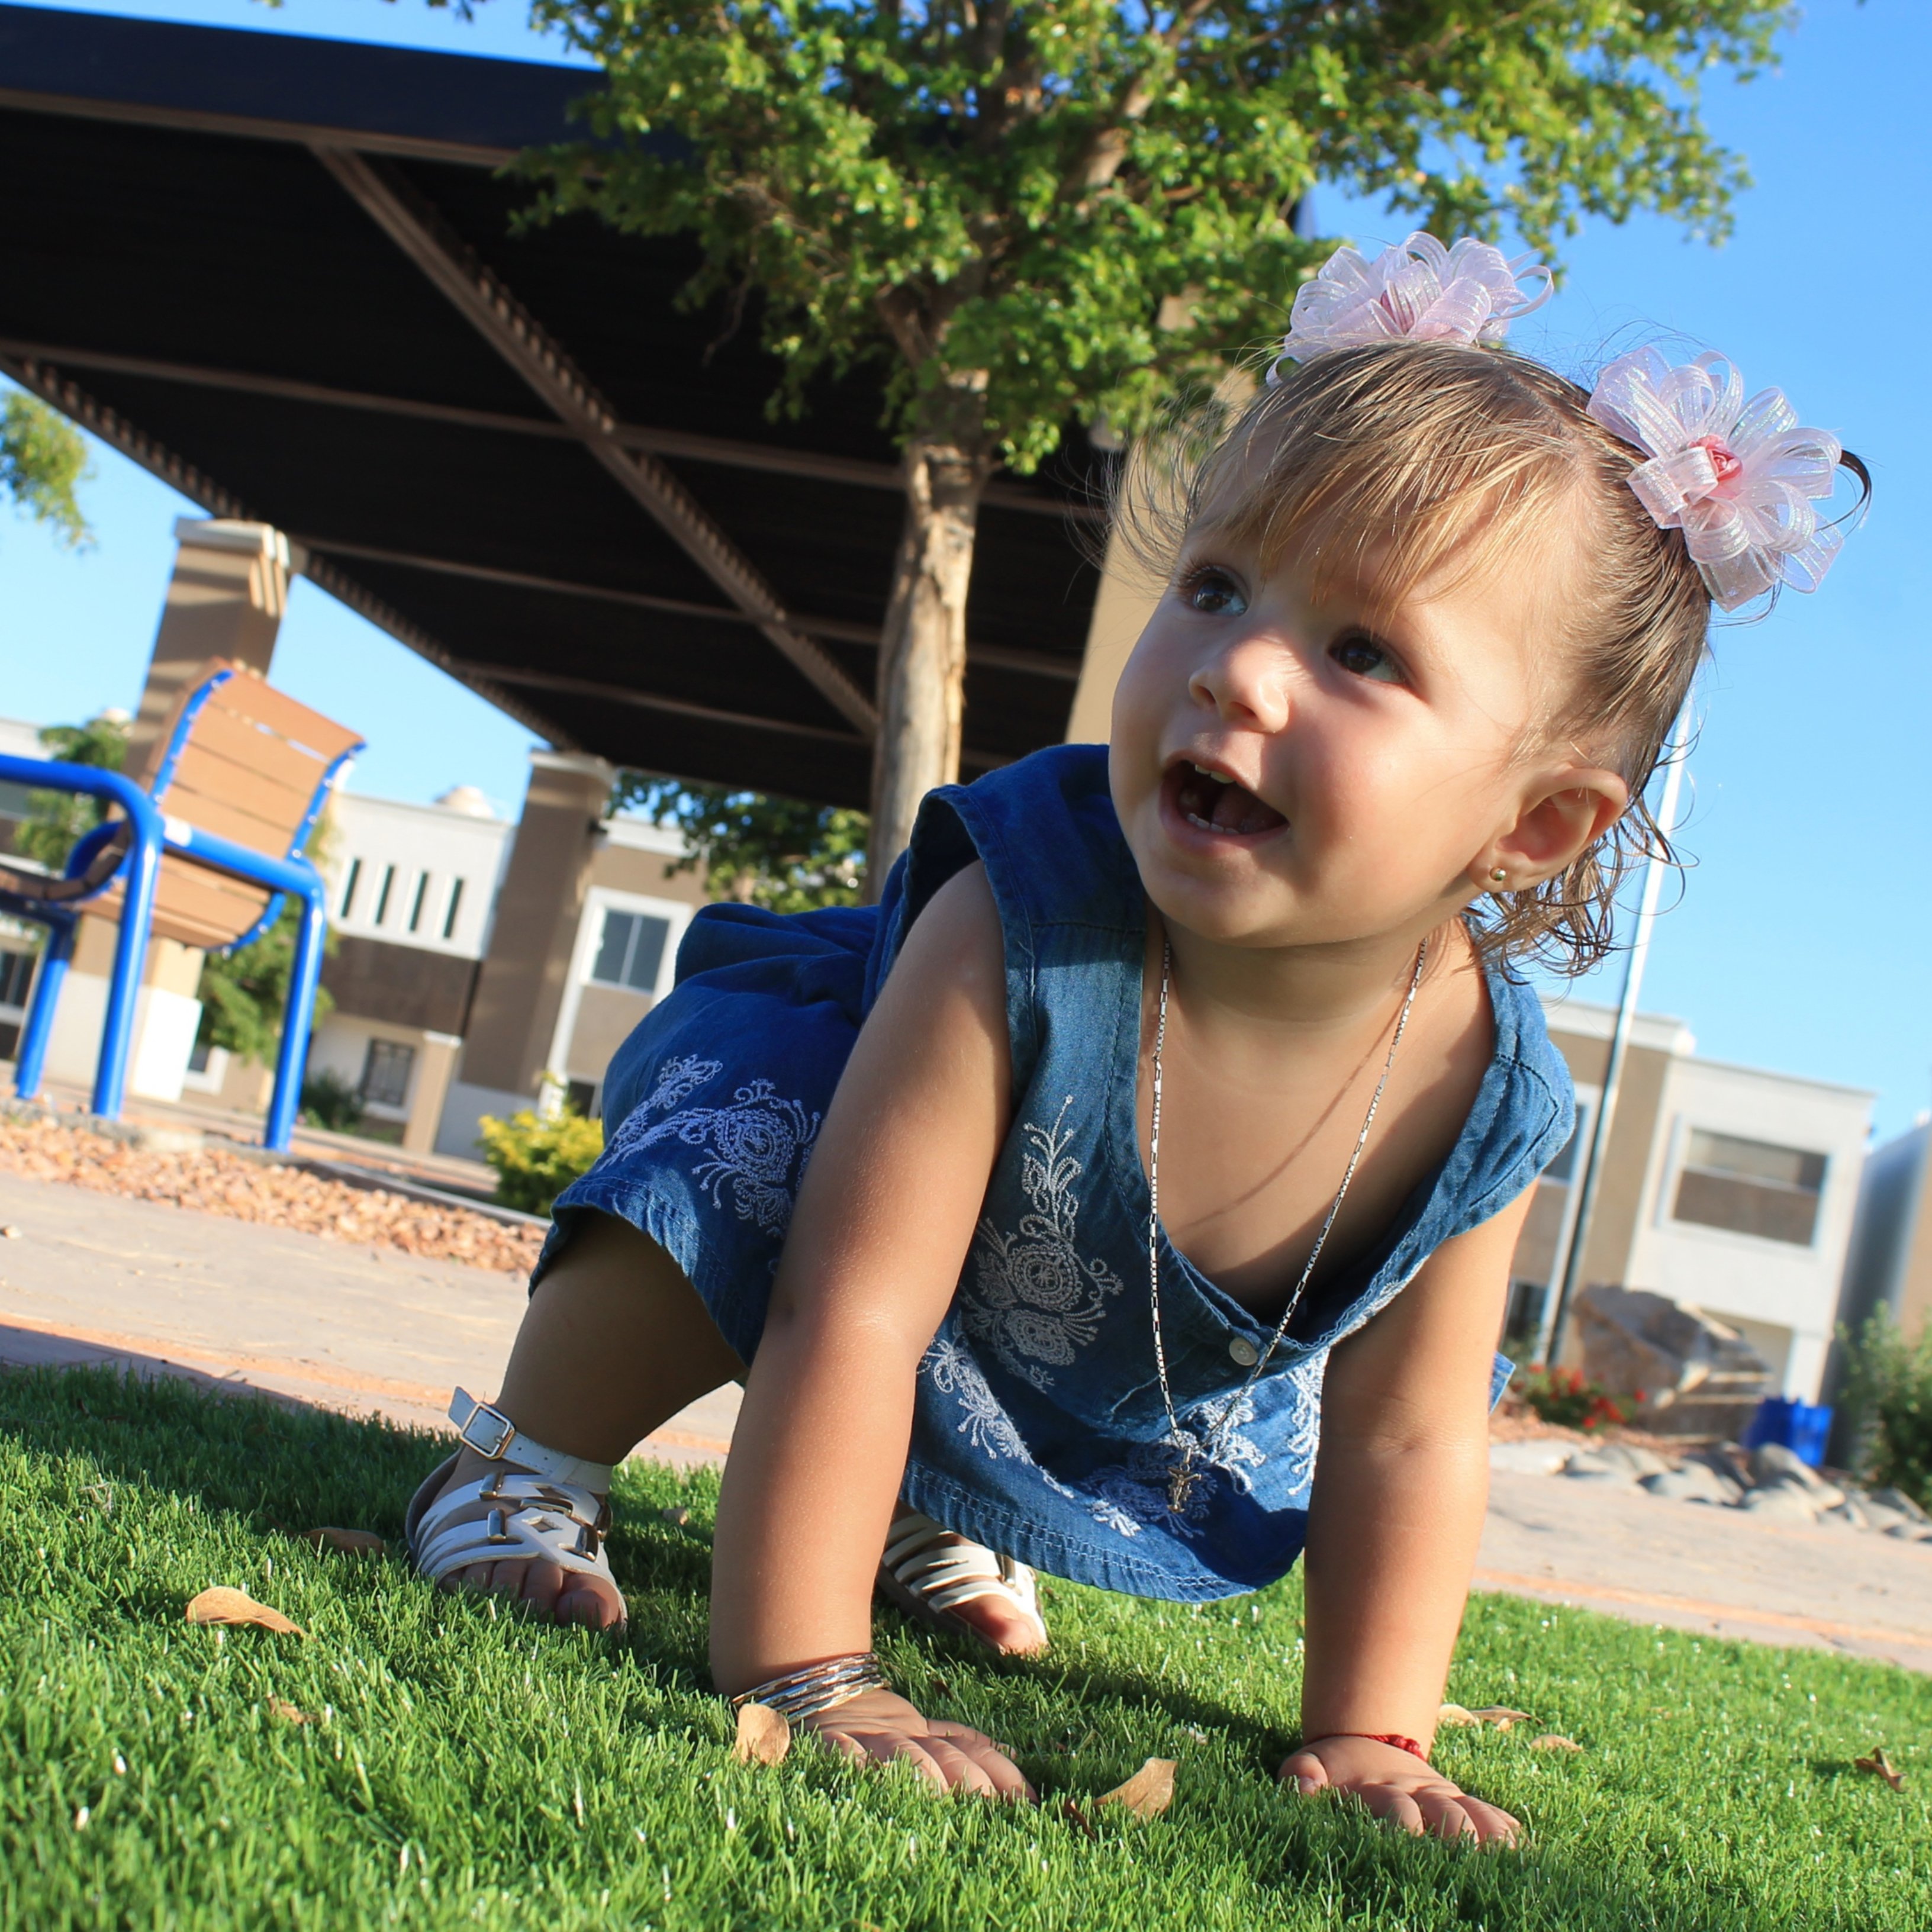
x,y
92,1278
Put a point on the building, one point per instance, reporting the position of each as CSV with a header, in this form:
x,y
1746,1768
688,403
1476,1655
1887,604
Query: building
x,y
1890,1265
1730,1189
481,966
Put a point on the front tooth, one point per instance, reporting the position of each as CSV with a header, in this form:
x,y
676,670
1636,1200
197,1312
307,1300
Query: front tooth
x,y
1215,775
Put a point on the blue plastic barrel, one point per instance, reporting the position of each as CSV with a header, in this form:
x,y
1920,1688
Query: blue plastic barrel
x,y
1802,1427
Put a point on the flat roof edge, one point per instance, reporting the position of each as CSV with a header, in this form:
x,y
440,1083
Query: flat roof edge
x,y
464,107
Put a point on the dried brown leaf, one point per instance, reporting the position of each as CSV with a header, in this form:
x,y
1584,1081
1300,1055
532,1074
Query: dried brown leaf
x,y
1554,1741
677,1516
1148,1792
350,1542
1458,1715
763,1735
222,1605
280,1707
1500,1715
1880,1765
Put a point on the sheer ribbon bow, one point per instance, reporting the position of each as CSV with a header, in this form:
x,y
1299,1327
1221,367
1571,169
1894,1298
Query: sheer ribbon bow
x,y
1739,479
1419,289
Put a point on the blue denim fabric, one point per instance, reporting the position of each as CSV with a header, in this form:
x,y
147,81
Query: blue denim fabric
x,y
1039,1426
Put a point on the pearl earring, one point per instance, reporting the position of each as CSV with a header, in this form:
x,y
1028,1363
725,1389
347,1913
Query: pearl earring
x,y
1498,874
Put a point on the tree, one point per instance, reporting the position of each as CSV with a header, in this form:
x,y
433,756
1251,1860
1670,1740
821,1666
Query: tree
x,y
244,993
43,464
1031,210
779,852
56,821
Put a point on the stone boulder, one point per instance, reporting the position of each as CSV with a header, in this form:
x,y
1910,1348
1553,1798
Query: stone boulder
x,y
1699,1376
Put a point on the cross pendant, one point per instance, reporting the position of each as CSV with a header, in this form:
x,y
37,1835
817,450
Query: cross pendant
x,y
1180,1481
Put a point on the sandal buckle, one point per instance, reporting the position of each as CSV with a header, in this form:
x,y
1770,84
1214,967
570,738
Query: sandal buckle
x,y
486,1430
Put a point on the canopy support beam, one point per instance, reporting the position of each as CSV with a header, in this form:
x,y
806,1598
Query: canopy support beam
x,y
485,301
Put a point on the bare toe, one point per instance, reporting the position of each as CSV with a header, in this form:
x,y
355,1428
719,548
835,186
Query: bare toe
x,y
1005,1629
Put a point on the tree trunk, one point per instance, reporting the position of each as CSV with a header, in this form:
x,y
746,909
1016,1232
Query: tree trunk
x,y
922,652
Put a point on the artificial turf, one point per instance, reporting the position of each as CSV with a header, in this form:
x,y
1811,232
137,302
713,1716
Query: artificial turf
x,y
463,1768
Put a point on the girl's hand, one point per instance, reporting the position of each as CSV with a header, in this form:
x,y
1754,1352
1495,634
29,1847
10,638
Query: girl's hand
x,y
1397,1787
880,1726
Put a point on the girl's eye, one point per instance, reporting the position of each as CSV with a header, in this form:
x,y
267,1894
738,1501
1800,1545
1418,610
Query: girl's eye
x,y
1214,593
1361,657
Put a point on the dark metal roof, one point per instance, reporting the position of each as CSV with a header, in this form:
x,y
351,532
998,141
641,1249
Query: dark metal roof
x,y
280,272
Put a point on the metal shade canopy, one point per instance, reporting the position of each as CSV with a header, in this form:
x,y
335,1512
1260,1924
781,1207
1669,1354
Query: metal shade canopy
x,y
280,274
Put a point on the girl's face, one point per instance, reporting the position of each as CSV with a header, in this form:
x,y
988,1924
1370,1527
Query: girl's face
x,y
1302,763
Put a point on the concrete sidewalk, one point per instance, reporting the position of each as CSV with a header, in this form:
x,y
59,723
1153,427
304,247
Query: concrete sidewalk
x,y
370,1331
94,1278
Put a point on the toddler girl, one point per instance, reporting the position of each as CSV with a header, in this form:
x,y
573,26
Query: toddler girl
x,y
1131,1193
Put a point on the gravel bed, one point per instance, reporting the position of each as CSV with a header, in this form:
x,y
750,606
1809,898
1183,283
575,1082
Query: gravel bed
x,y
214,1182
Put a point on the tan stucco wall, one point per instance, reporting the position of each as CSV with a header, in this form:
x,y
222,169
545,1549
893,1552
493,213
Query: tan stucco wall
x,y
519,990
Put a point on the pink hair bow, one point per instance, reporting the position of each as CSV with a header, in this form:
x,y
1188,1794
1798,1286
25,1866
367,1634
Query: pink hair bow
x,y
1739,479
1418,289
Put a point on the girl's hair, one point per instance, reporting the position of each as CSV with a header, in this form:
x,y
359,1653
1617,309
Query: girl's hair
x,y
1405,458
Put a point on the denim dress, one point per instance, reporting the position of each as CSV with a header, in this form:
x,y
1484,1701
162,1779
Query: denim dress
x,y
1039,1424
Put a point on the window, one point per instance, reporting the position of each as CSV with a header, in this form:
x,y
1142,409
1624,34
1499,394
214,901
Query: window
x,y
349,890
631,951
17,978
199,1053
382,897
1751,1187
385,1073
416,904
455,900
580,1096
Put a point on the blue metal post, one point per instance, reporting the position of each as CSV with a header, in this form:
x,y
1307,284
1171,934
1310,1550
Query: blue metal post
x,y
37,1028
292,1055
138,873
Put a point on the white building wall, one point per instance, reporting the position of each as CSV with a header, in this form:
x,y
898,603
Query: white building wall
x,y
407,861
1784,1296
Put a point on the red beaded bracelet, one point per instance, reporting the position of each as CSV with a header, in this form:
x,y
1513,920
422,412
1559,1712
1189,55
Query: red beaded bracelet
x,y
1394,1738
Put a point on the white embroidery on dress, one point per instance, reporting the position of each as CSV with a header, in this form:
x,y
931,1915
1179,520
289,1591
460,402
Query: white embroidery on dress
x,y
1037,1298
760,1145
985,1425
679,1077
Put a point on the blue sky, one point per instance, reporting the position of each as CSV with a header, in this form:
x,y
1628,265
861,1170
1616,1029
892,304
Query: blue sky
x,y
1804,937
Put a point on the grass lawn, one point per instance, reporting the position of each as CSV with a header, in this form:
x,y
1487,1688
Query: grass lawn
x,y
460,1768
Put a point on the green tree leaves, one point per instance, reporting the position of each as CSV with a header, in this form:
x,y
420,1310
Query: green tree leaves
x,y
1009,190
773,852
43,464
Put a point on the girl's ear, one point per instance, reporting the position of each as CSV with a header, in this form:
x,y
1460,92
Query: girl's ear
x,y
1558,822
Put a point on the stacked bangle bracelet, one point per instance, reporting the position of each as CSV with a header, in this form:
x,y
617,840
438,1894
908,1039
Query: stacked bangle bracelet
x,y
817,1687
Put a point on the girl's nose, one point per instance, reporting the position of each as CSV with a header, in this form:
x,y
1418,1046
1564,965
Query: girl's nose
x,y
1246,684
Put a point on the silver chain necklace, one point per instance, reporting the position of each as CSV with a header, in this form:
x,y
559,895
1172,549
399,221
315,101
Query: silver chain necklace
x,y
1182,1477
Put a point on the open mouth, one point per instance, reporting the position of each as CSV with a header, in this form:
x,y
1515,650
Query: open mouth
x,y
1213,803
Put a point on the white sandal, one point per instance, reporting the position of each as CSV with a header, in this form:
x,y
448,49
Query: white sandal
x,y
928,1572
558,1513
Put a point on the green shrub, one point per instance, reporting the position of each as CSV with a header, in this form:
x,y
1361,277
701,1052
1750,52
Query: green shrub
x,y
329,1102
1888,1397
536,1159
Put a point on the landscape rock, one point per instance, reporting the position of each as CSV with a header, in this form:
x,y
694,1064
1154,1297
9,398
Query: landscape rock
x,y
1537,1456
1878,1517
1772,1462
1847,1514
1591,1466
1698,1375
1782,1500
1896,1499
1692,1482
